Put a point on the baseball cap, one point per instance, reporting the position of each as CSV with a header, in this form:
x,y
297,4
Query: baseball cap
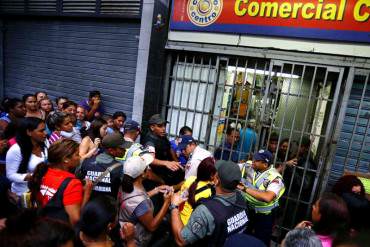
x,y
113,140
157,119
184,141
131,125
135,166
229,174
263,155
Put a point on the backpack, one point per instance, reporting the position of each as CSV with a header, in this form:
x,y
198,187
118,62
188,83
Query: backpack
x,y
54,208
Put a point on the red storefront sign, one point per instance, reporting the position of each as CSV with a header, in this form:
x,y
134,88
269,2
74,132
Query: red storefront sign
x,y
345,20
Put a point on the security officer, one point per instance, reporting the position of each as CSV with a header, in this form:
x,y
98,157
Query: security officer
x,y
94,167
263,186
132,131
216,219
165,163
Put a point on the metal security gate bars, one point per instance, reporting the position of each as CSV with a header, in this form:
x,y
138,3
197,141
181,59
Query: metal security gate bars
x,y
237,105
351,152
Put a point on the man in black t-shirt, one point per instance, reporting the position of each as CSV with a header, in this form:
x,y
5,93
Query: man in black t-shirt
x,y
165,163
93,167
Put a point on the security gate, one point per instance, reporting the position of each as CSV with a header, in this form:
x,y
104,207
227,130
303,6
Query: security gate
x,y
276,101
351,149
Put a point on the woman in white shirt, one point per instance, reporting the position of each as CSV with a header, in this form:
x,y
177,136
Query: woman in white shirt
x,y
23,157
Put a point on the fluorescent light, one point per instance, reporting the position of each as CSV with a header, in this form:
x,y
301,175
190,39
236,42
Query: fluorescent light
x,y
261,72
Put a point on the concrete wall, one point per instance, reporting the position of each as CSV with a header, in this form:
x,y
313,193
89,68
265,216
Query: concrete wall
x,y
312,46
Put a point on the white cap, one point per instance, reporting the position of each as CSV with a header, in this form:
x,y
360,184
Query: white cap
x,y
135,166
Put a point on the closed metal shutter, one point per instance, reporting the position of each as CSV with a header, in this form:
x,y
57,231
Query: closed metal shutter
x,y
353,148
71,58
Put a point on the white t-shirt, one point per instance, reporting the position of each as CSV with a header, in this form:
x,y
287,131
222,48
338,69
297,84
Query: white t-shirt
x,y
191,167
13,160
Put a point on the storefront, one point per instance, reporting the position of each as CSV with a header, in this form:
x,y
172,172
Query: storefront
x,y
68,48
300,71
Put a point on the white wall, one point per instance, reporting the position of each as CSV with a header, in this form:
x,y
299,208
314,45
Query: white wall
x,y
325,47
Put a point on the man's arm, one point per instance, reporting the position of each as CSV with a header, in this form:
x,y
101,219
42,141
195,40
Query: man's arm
x,y
176,222
200,224
91,113
172,165
177,226
265,196
174,156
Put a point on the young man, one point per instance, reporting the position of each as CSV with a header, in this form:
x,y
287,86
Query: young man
x,y
263,187
248,139
185,130
93,106
216,219
273,143
194,153
119,119
165,163
229,149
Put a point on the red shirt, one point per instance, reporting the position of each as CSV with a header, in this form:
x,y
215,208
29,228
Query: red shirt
x,y
52,181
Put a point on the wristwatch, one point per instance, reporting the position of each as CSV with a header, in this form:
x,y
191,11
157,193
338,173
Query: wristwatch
x,y
173,206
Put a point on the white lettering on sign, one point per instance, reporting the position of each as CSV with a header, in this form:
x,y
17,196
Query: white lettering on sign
x,y
93,175
237,221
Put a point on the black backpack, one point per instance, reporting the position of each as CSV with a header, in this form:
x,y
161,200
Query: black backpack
x,y
54,208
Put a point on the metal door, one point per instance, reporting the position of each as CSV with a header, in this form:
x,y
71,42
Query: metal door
x,y
294,102
351,152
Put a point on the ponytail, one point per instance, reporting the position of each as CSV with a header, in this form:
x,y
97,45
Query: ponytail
x,y
127,184
35,182
192,189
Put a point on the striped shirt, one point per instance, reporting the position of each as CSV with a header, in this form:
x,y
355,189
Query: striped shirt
x,y
55,136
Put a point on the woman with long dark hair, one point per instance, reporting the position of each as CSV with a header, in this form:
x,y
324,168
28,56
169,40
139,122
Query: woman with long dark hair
x,y
136,205
55,188
330,218
91,140
352,191
198,187
23,157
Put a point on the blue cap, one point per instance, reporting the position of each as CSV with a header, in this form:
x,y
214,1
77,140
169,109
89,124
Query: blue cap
x,y
263,155
184,141
131,125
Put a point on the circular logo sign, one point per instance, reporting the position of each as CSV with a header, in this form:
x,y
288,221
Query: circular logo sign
x,y
204,12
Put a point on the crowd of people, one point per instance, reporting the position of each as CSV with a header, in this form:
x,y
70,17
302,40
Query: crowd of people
x,y
72,175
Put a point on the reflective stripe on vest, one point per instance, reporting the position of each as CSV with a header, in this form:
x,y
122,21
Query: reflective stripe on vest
x,y
133,151
259,206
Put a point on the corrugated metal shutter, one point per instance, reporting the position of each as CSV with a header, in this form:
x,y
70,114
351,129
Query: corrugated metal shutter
x,y
71,58
353,148
116,8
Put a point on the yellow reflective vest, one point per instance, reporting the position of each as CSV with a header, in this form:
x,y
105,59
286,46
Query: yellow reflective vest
x,y
135,150
261,183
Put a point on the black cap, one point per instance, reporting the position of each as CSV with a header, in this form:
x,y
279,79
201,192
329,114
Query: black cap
x,y
157,119
113,140
229,174
131,125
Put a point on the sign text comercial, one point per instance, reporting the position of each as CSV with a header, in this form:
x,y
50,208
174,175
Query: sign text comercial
x,y
344,20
